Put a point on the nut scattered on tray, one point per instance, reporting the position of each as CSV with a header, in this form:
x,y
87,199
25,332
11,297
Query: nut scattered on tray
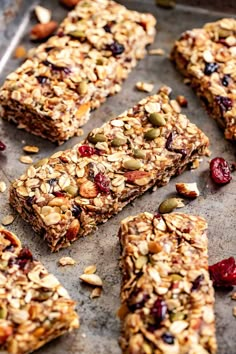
x,y
96,293
20,52
144,86
43,14
64,261
92,279
157,51
91,269
31,149
3,186
189,190
7,220
26,159
43,30
182,101
233,296
69,3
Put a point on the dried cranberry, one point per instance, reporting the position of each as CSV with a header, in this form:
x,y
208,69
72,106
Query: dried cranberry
x,y
56,67
183,152
76,211
2,146
223,273
42,79
169,141
116,48
157,215
210,68
107,27
23,258
58,194
196,283
86,151
225,103
225,80
102,182
30,200
220,170
159,310
168,338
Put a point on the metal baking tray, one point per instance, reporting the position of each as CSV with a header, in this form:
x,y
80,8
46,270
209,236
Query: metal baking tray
x,y
99,329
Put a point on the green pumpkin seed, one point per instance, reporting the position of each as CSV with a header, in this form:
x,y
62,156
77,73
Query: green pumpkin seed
x,y
72,190
168,205
129,131
177,316
83,87
157,119
140,154
76,34
41,163
152,134
118,142
132,164
98,138
176,276
3,313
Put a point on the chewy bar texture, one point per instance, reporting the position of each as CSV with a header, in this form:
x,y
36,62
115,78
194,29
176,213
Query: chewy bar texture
x,y
207,57
167,296
68,194
34,307
96,46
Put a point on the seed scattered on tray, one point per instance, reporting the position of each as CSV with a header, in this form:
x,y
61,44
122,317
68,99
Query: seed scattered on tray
x,y
64,261
189,190
95,293
2,146
233,296
43,15
91,269
144,86
69,3
166,90
156,51
26,159
168,205
20,52
31,149
43,30
3,186
168,4
92,279
182,101
7,220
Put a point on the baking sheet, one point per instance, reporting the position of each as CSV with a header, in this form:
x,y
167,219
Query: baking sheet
x,y
99,326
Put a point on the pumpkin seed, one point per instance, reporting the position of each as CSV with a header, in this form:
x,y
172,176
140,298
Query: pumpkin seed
x,y
3,313
76,34
176,276
129,131
168,205
152,134
72,190
118,142
41,163
140,154
96,138
177,316
132,164
157,119
83,87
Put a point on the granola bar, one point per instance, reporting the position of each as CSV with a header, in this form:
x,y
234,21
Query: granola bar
x,y
96,46
34,307
207,57
68,194
167,296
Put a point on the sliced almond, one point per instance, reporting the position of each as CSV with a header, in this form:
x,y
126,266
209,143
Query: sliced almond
x,y
26,159
144,86
189,190
95,293
3,187
156,51
90,269
31,149
7,220
64,261
92,279
43,15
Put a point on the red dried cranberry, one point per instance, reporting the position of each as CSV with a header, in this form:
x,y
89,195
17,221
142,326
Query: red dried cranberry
x,y
116,48
102,182
223,273
168,338
225,103
42,79
225,80
2,146
59,194
23,258
159,310
196,283
86,151
220,170
210,68
157,215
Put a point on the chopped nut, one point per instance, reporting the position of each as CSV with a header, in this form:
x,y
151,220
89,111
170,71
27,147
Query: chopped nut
x,y
92,279
43,15
144,86
182,101
69,3
43,30
90,269
20,52
66,261
31,149
157,51
26,159
189,190
166,89
7,220
3,187
95,293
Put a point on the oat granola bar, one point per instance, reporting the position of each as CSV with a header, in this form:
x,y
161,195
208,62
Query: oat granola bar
x,y
207,57
167,296
96,46
34,307
67,195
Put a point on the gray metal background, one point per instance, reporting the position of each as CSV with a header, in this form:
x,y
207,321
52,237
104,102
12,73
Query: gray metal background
x,y
99,326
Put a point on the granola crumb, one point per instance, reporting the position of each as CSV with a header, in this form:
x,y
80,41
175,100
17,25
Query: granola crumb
x,y
195,164
3,187
20,52
233,296
7,220
91,269
156,51
32,149
186,81
234,311
26,159
166,90
182,101
144,86
64,261
96,292
92,279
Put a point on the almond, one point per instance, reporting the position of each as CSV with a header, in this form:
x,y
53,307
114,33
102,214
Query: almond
x,y
69,3
73,230
43,30
43,15
92,279
132,176
88,189
189,190
182,101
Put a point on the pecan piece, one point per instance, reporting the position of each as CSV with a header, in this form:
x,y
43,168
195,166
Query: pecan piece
x,y
189,190
140,178
43,30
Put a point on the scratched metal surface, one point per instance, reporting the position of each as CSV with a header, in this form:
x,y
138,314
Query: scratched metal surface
x,y
99,326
